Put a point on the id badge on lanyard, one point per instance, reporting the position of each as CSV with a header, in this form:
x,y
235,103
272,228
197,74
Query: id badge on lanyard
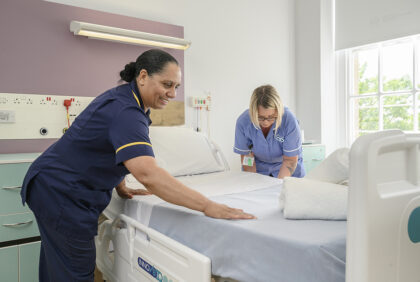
x,y
248,161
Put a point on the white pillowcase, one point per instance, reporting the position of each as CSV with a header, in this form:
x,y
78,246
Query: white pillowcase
x,y
183,151
334,169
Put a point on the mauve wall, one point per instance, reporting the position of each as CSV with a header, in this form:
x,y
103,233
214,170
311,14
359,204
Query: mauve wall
x,y
39,54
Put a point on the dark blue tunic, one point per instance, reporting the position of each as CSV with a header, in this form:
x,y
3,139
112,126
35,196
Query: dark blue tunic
x,y
70,184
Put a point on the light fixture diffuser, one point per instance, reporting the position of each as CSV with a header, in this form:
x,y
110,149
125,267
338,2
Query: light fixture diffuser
x,y
127,36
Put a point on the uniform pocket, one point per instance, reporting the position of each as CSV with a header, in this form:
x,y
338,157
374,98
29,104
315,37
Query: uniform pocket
x,y
82,258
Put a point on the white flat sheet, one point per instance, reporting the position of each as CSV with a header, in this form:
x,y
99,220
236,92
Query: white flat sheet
x,y
270,248
210,185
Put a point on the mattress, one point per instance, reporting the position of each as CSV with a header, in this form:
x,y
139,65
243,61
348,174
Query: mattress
x,y
269,248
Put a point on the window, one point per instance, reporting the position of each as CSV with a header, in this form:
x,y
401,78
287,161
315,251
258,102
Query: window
x,y
384,87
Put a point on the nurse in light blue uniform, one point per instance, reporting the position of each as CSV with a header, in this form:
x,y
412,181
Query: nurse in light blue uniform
x,y
267,136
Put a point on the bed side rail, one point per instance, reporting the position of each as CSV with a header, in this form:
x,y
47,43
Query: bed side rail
x,y
143,254
383,227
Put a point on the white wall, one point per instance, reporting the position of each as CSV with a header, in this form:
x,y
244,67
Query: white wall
x,y
316,95
308,67
237,45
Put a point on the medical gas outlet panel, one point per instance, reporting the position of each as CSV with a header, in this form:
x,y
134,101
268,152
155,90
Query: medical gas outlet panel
x,y
200,102
37,116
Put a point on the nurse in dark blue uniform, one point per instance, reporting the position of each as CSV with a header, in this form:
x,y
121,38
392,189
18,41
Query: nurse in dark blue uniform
x,y
70,184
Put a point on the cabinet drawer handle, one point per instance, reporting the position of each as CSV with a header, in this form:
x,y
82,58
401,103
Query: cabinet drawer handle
x,y
11,187
317,160
17,224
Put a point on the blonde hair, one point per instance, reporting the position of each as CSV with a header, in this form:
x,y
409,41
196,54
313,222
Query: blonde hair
x,y
267,97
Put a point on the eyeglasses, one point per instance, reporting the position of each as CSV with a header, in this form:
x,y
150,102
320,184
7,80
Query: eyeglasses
x,y
270,119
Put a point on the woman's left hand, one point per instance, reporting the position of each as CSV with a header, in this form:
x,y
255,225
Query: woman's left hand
x,y
128,193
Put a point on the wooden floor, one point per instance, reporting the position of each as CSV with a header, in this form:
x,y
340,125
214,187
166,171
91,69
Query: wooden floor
x,y
98,276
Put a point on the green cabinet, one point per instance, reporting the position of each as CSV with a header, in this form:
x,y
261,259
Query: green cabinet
x,y
9,264
17,263
28,262
312,155
18,260
11,177
18,226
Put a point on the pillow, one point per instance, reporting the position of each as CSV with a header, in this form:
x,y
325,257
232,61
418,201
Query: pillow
x,y
302,198
183,151
334,169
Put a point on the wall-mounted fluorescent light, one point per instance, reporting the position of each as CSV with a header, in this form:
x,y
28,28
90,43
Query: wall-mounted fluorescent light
x,y
127,36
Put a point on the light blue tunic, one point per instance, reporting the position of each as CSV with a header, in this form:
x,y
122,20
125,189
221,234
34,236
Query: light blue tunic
x,y
269,152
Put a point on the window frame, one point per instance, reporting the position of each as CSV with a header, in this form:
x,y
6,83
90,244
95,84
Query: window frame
x,y
350,85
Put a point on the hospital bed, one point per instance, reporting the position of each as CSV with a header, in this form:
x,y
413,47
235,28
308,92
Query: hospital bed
x,y
146,239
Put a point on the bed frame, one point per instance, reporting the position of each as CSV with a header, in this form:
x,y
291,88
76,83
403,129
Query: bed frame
x,y
383,227
383,224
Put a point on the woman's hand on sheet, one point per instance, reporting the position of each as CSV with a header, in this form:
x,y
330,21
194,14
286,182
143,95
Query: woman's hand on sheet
x,y
166,187
217,210
128,193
